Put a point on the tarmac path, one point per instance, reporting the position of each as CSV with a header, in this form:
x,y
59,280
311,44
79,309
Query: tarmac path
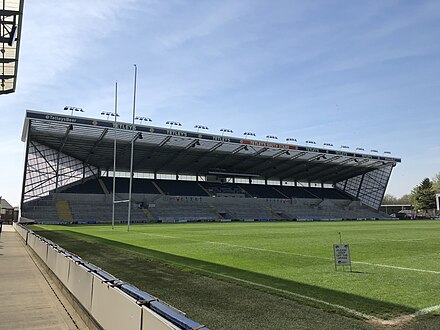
x,y
28,297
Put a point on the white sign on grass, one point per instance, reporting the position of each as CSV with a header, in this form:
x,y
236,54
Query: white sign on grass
x,y
342,254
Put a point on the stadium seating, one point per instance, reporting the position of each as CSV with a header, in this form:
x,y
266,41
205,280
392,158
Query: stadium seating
x,y
43,209
262,191
139,186
181,188
174,201
326,193
224,190
89,187
188,208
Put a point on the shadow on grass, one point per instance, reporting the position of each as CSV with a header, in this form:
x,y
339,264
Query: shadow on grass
x,y
358,272
88,246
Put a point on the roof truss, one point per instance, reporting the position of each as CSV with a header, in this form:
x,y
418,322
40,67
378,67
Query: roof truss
x,y
168,151
10,33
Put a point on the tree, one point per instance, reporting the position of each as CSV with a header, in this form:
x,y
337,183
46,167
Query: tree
x,y
389,199
405,199
423,196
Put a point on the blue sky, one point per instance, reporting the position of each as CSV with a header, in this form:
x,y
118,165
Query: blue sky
x,y
363,74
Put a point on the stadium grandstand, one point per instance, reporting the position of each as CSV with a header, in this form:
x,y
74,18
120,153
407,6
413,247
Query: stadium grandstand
x,y
183,176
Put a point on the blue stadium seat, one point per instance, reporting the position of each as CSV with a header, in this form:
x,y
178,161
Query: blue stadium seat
x,y
88,187
262,191
181,188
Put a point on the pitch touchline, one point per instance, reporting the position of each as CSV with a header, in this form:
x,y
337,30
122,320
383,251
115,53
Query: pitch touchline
x,y
421,312
395,240
346,309
397,267
240,246
406,240
426,310
297,254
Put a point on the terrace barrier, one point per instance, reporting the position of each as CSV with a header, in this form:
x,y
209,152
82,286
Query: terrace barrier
x,y
108,301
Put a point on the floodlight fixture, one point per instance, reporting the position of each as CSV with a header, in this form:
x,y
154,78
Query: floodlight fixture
x,y
328,144
173,123
310,142
249,134
387,152
108,114
291,139
141,119
374,150
226,130
271,137
72,109
361,149
199,127
345,147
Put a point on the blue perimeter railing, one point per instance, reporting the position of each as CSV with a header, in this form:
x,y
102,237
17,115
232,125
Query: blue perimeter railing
x,y
142,298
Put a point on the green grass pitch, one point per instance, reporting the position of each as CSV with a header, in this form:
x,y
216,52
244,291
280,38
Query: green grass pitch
x,y
396,264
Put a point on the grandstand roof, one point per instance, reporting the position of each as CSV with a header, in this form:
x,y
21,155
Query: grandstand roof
x,y
11,12
172,151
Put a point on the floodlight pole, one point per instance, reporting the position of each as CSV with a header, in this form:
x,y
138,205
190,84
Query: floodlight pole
x,y
132,149
114,156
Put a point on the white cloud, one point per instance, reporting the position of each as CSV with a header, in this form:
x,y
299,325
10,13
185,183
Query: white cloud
x,y
58,35
203,24
278,68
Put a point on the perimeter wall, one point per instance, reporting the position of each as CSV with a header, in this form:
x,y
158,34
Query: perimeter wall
x,y
111,303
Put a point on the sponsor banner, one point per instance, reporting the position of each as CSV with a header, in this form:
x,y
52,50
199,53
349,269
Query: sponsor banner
x,y
172,132
268,144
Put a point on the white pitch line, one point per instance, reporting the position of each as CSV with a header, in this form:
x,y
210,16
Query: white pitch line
x,y
346,309
241,246
398,267
393,240
426,310
404,240
298,295
297,254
